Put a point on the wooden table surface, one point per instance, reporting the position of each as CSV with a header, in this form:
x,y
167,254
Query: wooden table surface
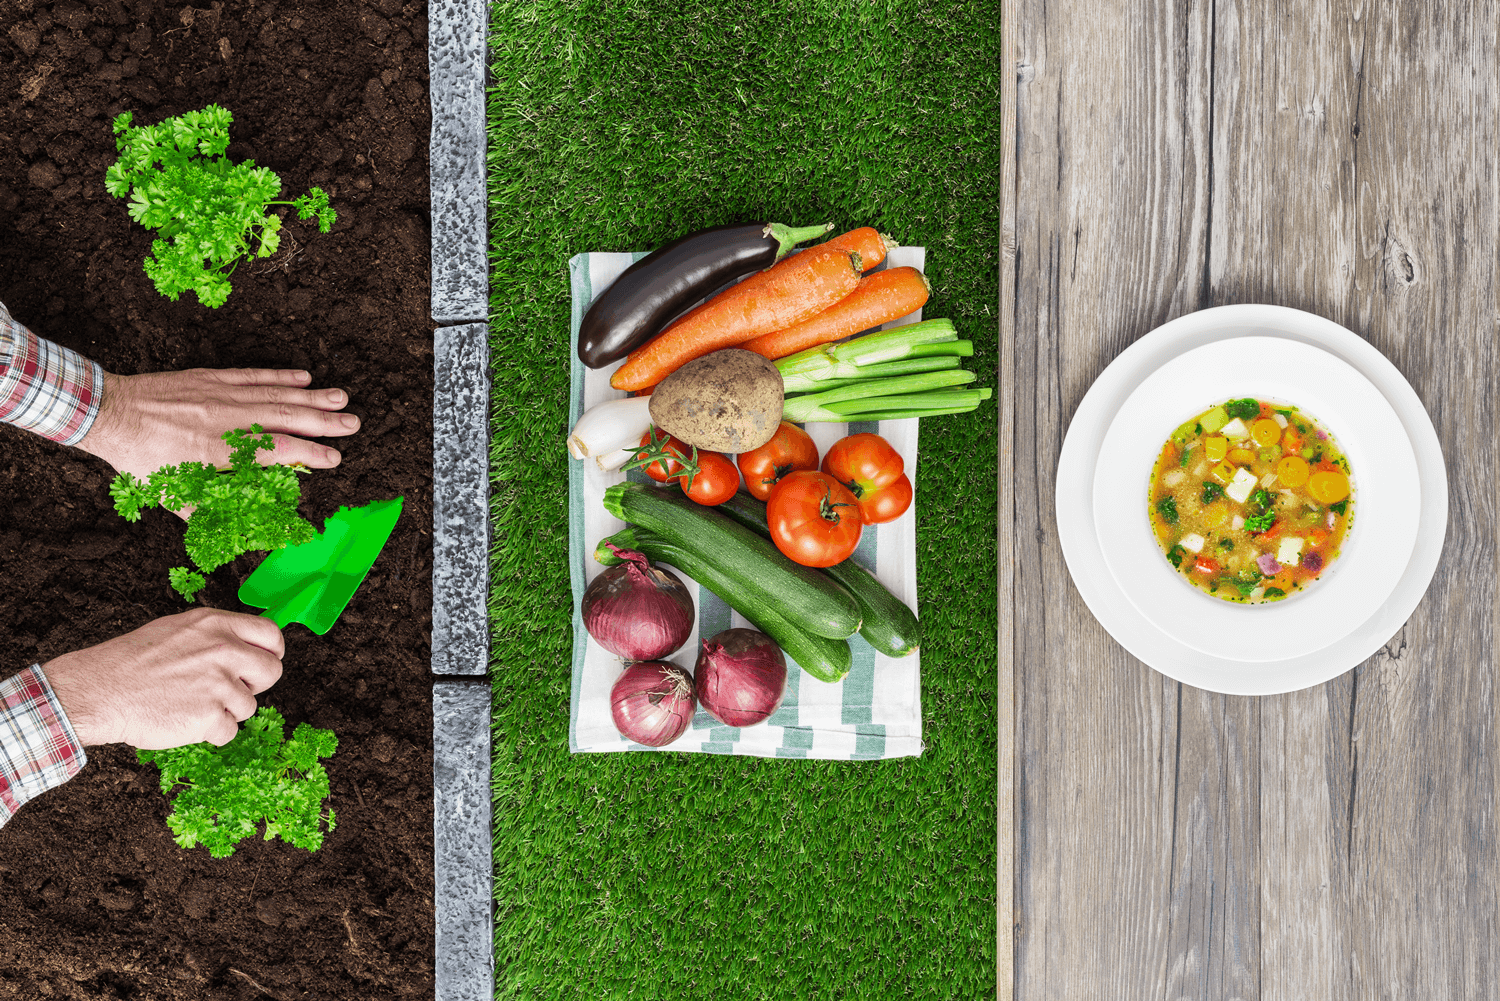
x,y
1156,840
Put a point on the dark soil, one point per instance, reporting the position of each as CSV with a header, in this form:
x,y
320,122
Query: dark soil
x,y
96,900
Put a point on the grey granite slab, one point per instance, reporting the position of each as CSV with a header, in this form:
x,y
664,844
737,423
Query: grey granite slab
x,y
460,501
463,863
455,62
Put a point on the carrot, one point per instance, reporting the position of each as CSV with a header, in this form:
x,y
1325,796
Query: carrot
x,y
869,244
879,298
799,287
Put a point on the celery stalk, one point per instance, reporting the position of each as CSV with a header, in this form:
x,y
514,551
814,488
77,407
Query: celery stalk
x,y
841,377
962,349
819,415
918,401
795,406
888,345
885,345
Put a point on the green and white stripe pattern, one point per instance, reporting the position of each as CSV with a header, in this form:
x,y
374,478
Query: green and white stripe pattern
x,y
875,712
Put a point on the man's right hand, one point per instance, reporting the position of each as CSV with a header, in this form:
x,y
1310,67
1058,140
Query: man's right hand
x,y
177,680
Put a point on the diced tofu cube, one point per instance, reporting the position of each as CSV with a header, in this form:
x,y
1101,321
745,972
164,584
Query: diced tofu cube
x,y
1280,420
1223,472
1239,488
1215,448
1289,553
1236,429
1200,470
1238,523
1192,542
1173,478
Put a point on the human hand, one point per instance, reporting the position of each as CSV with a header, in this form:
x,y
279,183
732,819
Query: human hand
x,y
166,418
176,680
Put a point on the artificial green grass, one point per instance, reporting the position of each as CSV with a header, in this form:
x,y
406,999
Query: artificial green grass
x,y
663,876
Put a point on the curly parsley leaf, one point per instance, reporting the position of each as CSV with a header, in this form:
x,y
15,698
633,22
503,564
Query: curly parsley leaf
x,y
1256,524
245,508
1340,507
1177,554
1211,491
210,213
1246,409
257,778
1167,508
1274,592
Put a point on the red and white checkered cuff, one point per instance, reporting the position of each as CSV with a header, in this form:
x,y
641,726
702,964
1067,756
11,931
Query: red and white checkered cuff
x,y
45,387
38,748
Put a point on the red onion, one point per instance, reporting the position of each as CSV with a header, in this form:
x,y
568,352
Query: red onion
x,y
638,611
652,702
741,677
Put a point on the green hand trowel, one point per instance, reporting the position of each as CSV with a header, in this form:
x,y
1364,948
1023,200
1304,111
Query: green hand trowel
x,y
312,583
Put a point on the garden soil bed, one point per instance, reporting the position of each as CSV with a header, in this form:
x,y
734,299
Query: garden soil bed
x,y
96,900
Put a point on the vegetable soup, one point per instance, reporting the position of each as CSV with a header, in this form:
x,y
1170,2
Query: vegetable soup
x,y
1250,500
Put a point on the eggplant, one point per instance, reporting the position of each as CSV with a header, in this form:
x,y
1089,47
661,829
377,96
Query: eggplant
x,y
662,284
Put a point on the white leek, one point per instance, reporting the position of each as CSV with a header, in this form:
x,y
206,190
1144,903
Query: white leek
x,y
610,426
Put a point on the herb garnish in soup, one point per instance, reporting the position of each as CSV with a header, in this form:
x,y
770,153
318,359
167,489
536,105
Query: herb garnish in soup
x,y
1250,500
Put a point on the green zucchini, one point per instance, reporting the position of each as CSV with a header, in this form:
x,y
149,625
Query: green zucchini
x,y
887,624
823,658
802,595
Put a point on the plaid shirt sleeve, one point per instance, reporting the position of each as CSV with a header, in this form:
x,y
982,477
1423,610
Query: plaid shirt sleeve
x,y
45,387
38,748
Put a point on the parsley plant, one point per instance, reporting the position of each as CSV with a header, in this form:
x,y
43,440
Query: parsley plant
x,y
252,780
210,213
245,508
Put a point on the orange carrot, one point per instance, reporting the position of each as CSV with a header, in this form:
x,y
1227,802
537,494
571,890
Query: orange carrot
x,y
799,287
870,245
880,298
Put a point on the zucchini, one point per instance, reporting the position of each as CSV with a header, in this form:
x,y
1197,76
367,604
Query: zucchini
x,y
802,595
823,658
887,624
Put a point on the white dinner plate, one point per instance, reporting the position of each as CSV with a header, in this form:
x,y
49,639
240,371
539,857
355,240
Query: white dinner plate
x,y
1385,506
1079,537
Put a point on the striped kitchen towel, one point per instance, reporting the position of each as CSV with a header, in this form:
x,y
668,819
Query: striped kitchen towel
x,y
875,712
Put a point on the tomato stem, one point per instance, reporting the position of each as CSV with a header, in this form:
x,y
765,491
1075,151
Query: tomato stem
x,y
827,504
660,450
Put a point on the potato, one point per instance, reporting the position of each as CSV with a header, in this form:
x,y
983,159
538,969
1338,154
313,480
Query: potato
x,y
727,401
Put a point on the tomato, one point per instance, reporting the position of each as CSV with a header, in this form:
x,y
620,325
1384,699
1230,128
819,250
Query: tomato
x,y
814,519
654,443
715,481
873,472
789,450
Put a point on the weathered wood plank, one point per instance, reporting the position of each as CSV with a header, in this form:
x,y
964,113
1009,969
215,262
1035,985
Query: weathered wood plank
x,y
1354,176
1111,211
1005,677
1333,843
